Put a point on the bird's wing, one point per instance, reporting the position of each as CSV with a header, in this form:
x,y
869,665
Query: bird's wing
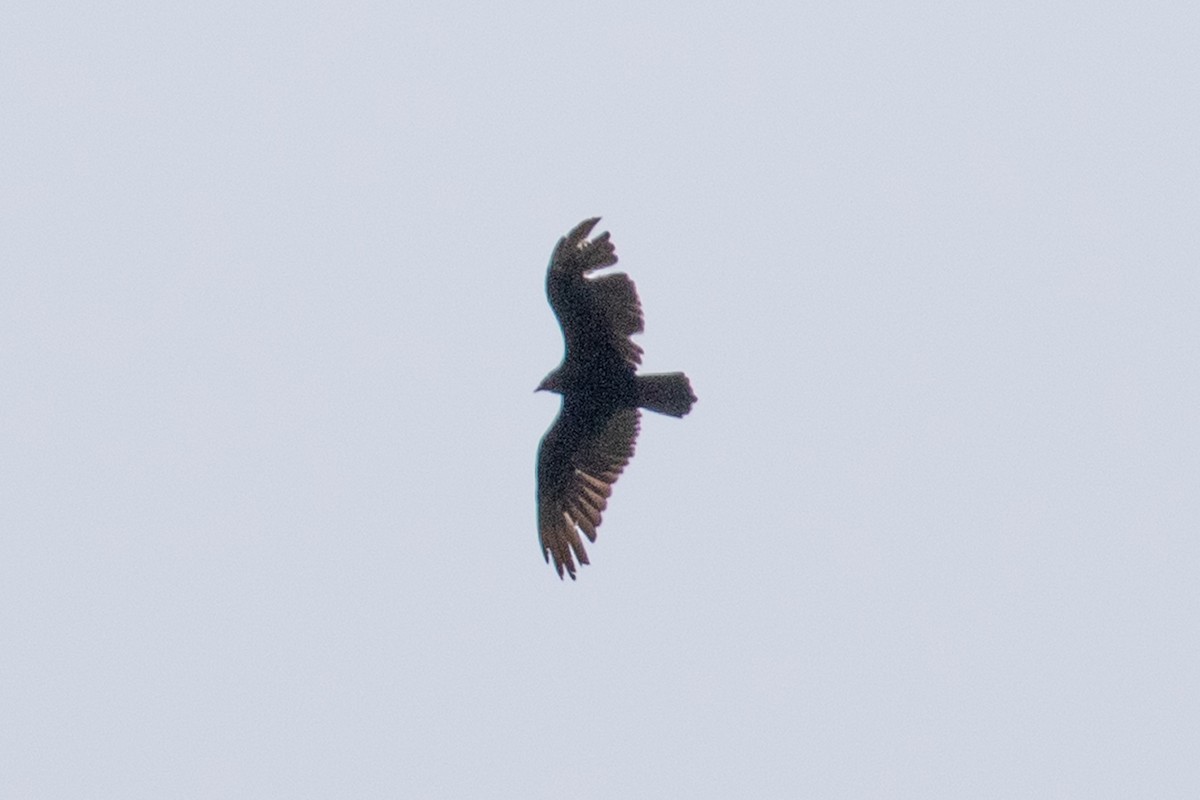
x,y
596,314
579,460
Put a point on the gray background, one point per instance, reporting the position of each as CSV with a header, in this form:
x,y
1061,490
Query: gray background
x,y
272,312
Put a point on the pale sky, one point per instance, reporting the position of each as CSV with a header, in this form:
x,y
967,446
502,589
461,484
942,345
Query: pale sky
x,y
271,317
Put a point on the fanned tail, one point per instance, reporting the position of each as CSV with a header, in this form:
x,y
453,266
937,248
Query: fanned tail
x,y
667,393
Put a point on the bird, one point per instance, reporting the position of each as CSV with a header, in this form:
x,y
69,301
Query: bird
x,y
592,440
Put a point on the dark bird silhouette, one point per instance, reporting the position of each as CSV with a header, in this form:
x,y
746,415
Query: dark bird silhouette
x,y
592,440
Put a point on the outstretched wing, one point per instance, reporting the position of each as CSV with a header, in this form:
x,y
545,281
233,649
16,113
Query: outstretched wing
x,y
579,460
597,315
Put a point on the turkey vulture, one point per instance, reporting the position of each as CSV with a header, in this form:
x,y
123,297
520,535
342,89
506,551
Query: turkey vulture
x,y
586,448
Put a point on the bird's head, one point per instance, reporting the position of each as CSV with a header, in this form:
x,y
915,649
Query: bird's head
x,y
551,383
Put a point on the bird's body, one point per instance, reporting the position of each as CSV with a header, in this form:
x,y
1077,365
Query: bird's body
x,y
592,440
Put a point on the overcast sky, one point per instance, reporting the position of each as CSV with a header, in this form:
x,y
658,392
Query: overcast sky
x,y
272,313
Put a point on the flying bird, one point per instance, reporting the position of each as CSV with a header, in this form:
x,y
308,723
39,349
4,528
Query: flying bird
x,y
583,453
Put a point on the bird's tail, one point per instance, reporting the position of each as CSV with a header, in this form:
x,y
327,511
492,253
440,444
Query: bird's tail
x,y
667,393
